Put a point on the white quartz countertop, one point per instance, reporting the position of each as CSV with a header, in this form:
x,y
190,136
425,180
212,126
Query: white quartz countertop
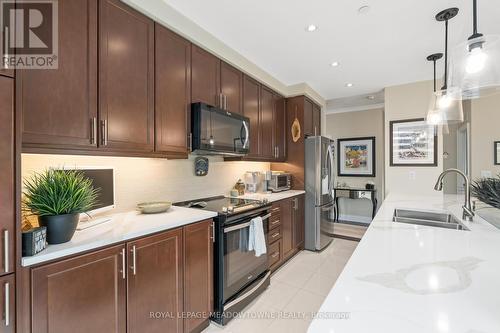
x,y
123,227
417,279
272,197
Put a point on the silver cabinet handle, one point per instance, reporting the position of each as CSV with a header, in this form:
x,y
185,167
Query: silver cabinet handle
x,y
6,250
123,264
134,260
7,303
275,222
104,132
93,131
220,101
213,232
189,142
6,42
275,254
278,152
276,234
225,102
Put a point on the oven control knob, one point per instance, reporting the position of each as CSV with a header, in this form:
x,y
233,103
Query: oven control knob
x,y
224,209
230,209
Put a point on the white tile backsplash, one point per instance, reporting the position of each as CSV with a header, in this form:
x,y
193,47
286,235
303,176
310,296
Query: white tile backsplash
x,y
148,179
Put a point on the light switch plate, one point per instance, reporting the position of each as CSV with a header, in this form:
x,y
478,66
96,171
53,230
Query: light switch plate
x,y
412,175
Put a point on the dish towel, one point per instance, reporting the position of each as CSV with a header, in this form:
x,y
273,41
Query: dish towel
x,y
256,237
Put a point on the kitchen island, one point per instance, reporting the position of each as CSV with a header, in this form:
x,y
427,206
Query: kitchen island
x,y
414,279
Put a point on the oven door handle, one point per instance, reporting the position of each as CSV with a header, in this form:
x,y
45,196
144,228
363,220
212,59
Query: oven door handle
x,y
248,293
244,225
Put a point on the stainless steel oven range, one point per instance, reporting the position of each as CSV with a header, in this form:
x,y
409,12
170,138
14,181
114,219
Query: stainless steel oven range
x,y
239,275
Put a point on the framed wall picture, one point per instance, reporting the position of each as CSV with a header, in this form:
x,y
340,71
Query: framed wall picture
x,y
413,142
497,153
356,157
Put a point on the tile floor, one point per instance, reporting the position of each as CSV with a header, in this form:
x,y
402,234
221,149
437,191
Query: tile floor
x,y
299,286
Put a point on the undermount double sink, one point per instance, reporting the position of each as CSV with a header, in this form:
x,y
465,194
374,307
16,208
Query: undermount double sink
x,y
428,218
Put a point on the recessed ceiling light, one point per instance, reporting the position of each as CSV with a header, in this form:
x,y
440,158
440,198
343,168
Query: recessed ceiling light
x,y
370,97
363,9
311,28
348,85
334,64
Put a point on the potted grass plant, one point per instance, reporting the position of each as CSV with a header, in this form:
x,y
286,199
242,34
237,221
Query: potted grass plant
x,y
487,190
58,197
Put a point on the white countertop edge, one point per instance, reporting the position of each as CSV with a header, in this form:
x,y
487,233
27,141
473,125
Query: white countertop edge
x,y
99,236
272,197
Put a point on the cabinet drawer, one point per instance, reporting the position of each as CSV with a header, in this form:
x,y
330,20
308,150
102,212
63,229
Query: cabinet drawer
x,y
274,253
274,221
275,210
274,235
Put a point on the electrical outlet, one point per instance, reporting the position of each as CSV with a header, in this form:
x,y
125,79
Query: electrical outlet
x,y
412,175
486,174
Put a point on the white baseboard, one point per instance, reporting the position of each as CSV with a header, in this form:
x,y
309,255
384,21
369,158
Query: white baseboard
x,y
355,218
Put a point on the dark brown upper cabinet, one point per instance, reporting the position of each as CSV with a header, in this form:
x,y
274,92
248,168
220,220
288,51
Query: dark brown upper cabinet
x,y
7,158
82,294
173,91
126,78
155,283
279,128
198,274
231,82
59,106
316,119
205,77
308,118
7,72
267,126
251,109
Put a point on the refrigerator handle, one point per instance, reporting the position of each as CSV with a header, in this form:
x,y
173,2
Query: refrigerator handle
x,y
330,171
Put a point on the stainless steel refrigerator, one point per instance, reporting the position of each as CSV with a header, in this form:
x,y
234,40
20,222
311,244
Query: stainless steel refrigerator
x,y
319,180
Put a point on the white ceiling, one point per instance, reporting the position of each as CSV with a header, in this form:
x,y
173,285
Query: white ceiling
x,y
384,47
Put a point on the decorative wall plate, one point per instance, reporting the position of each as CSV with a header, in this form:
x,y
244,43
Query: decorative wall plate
x,y
295,130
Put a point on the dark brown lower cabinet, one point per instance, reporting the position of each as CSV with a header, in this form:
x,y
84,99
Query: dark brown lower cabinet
x,y
287,226
155,283
298,221
198,278
80,295
160,283
8,304
286,230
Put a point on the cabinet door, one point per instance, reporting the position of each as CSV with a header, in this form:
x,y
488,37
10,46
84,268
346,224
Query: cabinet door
x,y
287,226
205,77
7,222
231,81
59,106
308,118
7,72
80,295
173,91
316,119
126,78
298,221
251,106
267,124
155,283
198,274
279,127
8,304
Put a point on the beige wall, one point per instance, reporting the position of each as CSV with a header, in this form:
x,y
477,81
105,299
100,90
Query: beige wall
x,y
406,102
485,129
359,124
148,179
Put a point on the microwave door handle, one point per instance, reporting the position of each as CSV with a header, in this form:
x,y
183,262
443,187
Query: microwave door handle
x,y
245,126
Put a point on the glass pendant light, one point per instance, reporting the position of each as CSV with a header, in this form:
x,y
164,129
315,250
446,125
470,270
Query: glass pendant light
x,y
433,114
475,64
446,104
